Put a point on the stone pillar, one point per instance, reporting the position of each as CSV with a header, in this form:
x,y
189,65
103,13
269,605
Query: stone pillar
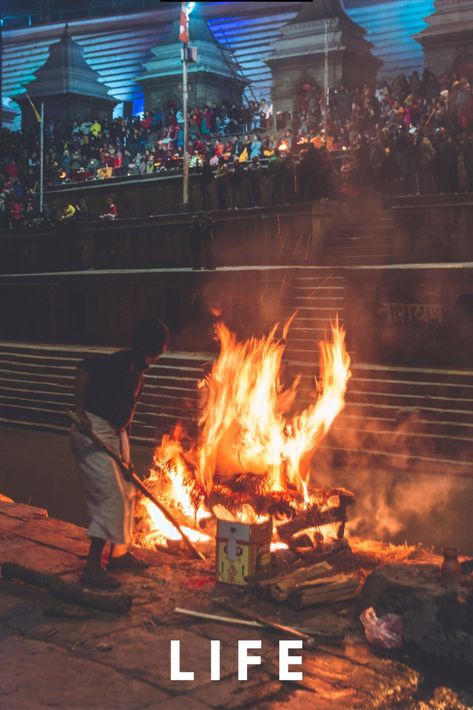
x,y
448,39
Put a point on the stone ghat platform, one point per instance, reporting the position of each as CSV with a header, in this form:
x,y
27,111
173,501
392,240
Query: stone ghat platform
x,y
63,656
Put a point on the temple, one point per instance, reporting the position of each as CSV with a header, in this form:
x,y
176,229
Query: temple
x,y
67,85
320,38
214,77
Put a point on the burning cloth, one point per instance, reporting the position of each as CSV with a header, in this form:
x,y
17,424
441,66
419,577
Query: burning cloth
x,y
109,498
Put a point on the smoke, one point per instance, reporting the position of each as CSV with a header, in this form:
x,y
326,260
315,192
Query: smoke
x,y
412,504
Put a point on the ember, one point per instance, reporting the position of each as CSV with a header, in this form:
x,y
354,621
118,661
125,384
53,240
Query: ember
x,y
252,458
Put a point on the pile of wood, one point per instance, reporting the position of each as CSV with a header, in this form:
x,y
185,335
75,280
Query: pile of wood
x,y
308,586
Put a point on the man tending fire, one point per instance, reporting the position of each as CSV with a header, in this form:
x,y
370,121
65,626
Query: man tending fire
x,y
107,390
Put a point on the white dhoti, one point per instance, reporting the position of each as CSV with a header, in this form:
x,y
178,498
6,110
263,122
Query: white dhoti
x,y
109,497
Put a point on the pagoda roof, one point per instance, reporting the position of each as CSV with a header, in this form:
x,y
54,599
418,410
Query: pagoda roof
x,y
320,10
198,31
66,71
213,57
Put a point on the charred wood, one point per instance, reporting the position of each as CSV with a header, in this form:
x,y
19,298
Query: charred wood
x,y
73,593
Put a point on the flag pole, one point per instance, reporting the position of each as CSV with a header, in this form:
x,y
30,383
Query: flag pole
x,y
326,89
186,9
41,160
185,153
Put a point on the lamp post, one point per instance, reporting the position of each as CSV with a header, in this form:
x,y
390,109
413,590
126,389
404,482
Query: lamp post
x,y
187,9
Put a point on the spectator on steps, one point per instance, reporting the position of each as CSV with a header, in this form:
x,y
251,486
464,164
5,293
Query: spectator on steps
x,y
68,213
205,179
236,182
222,183
111,211
254,175
202,233
468,160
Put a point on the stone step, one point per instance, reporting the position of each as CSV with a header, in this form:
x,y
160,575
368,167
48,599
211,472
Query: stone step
x,y
312,298
35,395
311,310
403,400
399,373
359,239
323,289
37,386
372,457
329,280
44,414
354,260
422,388
70,355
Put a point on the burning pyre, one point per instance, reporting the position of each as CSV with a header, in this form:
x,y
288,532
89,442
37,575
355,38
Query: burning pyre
x,y
252,457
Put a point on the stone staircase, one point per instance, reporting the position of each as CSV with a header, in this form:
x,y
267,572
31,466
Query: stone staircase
x,y
400,417
360,238
395,417
37,388
318,300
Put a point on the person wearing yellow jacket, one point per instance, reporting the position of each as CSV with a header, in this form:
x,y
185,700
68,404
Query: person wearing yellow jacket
x,y
68,212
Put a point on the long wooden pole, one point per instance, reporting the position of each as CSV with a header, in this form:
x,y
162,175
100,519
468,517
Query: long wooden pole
x,y
130,474
41,160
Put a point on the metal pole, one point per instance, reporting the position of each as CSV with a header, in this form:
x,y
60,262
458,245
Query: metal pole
x,y
185,154
326,89
41,160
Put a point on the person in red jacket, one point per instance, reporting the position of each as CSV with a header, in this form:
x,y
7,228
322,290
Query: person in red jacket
x,y
15,214
11,169
111,211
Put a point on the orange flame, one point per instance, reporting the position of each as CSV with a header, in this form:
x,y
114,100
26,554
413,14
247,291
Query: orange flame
x,y
243,427
245,424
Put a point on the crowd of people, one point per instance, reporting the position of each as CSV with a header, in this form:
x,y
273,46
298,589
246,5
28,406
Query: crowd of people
x,y
412,135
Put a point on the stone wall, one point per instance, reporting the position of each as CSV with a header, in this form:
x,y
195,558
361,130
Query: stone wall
x,y
141,196
434,228
290,235
101,308
411,315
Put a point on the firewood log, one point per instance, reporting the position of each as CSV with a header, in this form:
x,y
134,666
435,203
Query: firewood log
x,y
73,593
281,591
299,572
341,588
312,518
281,588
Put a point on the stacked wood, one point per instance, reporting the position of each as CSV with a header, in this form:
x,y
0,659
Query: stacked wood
x,y
281,589
304,586
293,573
329,590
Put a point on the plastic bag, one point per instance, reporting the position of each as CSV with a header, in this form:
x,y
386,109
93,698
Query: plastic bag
x,y
384,631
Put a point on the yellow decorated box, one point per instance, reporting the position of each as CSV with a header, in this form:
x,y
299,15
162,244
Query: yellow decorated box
x,y
242,550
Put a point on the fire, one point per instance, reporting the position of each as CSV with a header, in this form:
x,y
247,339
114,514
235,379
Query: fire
x,y
243,425
247,426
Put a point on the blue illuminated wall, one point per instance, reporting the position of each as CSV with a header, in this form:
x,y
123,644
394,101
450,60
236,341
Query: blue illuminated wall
x,y
390,27
117,47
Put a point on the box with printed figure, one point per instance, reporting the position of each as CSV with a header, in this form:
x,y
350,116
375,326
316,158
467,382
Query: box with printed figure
x,y
242,550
